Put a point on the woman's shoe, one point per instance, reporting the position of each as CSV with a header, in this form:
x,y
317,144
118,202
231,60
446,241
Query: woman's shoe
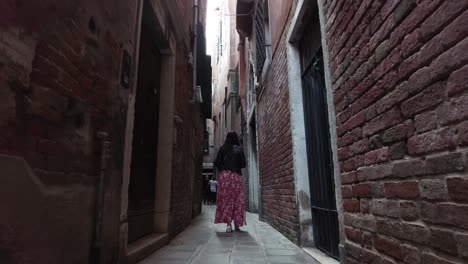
x,y
237,227
229,229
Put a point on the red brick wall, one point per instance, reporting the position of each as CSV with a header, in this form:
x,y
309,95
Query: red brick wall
x,y
399,72
188,148
275,146
59,86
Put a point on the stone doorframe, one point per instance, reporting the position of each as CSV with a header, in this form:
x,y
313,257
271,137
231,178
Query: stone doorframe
x,y
254,179
298,128
166,43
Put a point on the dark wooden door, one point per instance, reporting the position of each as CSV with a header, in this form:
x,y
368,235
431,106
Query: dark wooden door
x,y
141,191
322,187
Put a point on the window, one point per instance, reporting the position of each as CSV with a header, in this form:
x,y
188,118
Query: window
x,y
225,107
220,42
206,143
235,89
266,23
251,92
259,38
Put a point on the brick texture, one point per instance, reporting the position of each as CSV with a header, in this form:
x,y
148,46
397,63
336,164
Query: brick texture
x,y
275,147
59,82
60,85
399,72
187,159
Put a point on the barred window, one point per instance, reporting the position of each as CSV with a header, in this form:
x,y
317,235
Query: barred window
x,y
260,37
236,85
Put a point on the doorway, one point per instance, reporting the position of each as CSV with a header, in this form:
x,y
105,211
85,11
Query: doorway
x,y
318,146
141,192
253,168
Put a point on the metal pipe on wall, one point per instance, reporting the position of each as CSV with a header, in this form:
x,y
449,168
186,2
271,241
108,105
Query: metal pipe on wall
x,y
195,44
96,245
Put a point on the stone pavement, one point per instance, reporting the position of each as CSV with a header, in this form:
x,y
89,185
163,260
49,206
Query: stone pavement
x,y
206,243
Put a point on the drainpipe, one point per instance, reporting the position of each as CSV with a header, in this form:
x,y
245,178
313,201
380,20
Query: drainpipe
x,y
96,246
195,46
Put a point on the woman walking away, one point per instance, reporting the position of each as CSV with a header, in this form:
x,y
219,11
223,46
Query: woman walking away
x,y
230,202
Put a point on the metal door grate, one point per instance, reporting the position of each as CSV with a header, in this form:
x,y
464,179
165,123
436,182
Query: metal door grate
x,y
322,187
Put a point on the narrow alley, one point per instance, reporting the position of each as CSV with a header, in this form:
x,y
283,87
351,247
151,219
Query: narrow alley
x,y
151,131
205,243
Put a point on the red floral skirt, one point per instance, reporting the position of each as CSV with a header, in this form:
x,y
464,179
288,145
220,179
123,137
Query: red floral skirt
x,y
230,202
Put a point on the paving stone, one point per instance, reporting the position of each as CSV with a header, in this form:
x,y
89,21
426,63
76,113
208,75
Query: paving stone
x,y
217,250
289,260
280,252
247,243
212,258
247,261
166,262
238,248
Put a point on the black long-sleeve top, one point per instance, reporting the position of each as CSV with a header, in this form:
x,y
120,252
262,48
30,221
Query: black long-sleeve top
x,y
233,160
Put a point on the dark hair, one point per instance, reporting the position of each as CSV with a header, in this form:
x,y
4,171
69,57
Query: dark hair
x,y
231,140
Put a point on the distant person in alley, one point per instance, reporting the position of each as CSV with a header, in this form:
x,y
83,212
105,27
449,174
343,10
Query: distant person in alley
x,y
230,199
206,190
213,188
